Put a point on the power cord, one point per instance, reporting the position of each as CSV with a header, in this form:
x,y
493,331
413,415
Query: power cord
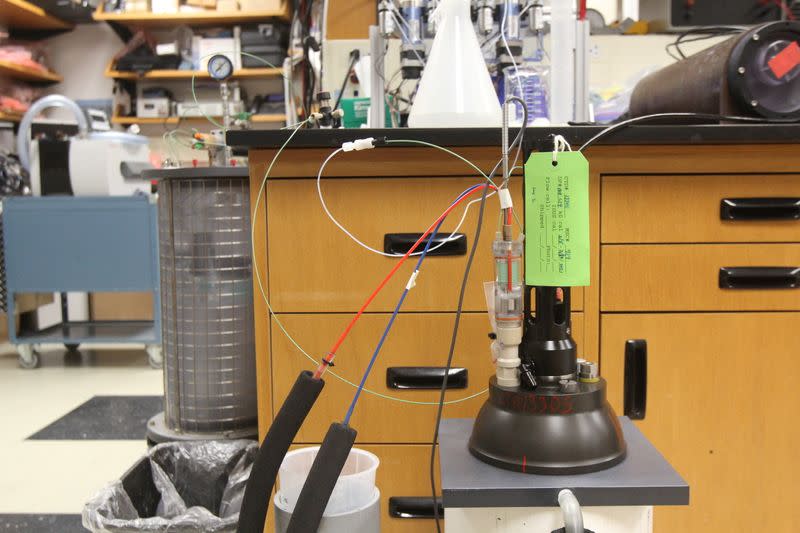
x,y
703,116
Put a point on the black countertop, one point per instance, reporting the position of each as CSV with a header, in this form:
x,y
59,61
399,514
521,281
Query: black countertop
x,y
536,138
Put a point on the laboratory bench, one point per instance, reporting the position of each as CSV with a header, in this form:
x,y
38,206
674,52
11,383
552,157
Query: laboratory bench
x,y
673,249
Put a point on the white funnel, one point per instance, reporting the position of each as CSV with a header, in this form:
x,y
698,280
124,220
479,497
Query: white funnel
x,y
455,90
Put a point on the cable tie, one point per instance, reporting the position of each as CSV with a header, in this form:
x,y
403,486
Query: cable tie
x,y
328,363
505,199
412,280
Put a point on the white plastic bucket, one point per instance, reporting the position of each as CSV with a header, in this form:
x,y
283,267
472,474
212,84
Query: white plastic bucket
x,y
354,490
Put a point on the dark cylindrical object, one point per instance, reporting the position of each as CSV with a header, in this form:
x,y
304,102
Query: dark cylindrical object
x,y
547,342
755,73
322,478
293,412
207,301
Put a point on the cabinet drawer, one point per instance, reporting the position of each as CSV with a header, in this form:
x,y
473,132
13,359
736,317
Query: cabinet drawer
x,y
314,267
722,401
687,277
403,473
416,340
642,209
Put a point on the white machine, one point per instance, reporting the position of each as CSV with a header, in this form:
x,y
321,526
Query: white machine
x,y
99,163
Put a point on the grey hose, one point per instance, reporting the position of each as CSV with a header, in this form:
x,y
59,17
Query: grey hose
x,y
571,510
53,100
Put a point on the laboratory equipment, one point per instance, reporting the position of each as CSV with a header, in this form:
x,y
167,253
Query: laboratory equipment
x,y
755,73
207,305
61,244
530,83
220,68
455,89
412,49
680,15
106,163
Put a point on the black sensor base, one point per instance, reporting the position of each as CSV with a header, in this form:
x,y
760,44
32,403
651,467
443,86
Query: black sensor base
x,y
547,431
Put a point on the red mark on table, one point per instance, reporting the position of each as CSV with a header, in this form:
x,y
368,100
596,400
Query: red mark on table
x,y
785,60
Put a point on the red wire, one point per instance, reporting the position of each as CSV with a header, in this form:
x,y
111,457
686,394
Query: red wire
x,y
326,361
582,10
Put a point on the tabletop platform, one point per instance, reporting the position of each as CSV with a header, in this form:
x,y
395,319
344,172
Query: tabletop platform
x,y
643,478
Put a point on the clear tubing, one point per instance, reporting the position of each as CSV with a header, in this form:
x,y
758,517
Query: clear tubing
x,y
508,288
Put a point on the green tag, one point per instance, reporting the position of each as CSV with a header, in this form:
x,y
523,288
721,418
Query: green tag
x,y
557,220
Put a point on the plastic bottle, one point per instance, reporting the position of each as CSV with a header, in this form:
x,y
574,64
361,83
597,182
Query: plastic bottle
x,y
455,90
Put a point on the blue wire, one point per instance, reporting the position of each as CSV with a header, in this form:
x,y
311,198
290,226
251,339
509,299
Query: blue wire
x,y
374,358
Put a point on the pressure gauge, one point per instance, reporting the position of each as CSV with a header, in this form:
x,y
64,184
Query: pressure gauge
x,y
220,67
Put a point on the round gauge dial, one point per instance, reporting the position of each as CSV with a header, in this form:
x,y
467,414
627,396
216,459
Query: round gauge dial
x,y
220,67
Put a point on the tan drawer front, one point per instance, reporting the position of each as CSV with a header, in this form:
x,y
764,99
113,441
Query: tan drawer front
x,y
314,267
722,402
403,473
686,277
416,340
642,209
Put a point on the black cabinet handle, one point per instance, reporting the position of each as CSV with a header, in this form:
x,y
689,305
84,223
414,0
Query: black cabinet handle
x,y
413,507
425,377
759,277
400,243
635,389
759,209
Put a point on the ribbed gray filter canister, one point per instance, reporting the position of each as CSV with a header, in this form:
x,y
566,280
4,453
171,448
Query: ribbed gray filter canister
x,y
207,304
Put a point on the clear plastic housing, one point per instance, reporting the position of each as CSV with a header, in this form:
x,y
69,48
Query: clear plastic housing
x,y
508,287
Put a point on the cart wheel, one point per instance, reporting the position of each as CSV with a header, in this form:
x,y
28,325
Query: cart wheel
x,y
72,347
154,356
28,357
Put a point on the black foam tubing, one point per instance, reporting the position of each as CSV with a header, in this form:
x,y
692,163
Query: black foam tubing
x,y
321,479
295,408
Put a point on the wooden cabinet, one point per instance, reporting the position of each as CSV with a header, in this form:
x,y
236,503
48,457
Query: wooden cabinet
x,y
330,273
417,340
721,397
686,208
722,400
683,277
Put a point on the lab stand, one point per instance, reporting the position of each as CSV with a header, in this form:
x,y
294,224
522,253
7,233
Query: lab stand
x,y
478,497
82,244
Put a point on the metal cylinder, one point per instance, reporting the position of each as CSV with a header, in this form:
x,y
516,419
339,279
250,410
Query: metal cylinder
x,y
755,73
207,302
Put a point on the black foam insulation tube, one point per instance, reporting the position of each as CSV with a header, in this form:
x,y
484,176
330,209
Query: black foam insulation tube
x,y
322,478
295,408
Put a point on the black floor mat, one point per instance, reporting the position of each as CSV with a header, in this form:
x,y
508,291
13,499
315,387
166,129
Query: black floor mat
x,y
104,418
41,523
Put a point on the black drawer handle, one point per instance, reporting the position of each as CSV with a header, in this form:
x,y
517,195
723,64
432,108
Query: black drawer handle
x,y
759,277
413,507
400,243
425,377
635,384
759,209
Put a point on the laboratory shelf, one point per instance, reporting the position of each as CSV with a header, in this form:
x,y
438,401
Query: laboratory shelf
x,y
191,18
245,73
22,15
94,332
256,119
20,72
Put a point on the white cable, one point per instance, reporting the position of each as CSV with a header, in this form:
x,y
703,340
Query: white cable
x,y
283,329
356,240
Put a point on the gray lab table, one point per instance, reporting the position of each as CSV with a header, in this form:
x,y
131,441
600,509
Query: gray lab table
x,y
644,478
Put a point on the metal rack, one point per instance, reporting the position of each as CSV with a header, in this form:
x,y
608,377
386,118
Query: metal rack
x,y
79,244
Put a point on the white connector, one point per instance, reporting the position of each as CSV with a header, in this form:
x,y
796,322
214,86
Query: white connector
x,y
359,144
504,195
508,361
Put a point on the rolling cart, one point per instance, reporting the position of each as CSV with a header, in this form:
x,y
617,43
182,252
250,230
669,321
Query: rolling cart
x,y
81,244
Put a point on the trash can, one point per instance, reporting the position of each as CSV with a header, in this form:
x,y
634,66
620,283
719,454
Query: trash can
x,y
178,487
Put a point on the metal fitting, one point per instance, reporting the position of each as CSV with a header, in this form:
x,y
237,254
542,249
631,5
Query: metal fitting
x,y
588,372
568,386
